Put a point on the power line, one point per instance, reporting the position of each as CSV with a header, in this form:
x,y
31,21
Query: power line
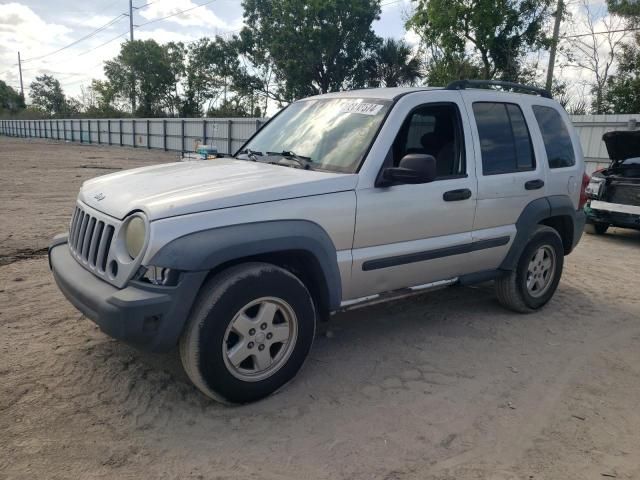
x,y
174,14
89,35
620,30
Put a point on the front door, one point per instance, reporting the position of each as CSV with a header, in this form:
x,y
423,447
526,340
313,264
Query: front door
x,y
409,235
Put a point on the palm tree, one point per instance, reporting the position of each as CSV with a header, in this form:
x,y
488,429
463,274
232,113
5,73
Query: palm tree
x,y
394,64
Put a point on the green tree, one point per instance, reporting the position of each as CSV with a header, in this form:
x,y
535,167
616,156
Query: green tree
x,y
622,94
211,70
314,47
627,8
10,100
498,32
150,71
442,68
394,64
47,96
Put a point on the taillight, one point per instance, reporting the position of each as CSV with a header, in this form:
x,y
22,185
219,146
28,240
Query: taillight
x,y
583,192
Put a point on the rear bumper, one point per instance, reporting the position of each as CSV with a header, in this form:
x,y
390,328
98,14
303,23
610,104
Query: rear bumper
x,y
148,316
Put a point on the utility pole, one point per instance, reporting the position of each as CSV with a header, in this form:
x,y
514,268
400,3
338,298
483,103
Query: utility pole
x,y
20,70
554,44
131,20
133,78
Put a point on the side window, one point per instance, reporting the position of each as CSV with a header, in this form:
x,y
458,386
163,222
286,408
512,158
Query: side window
x,y
505,142
557,141
433,130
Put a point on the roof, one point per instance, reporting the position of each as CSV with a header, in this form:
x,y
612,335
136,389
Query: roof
x,y
395,92
378,93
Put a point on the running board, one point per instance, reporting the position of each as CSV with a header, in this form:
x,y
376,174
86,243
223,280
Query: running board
x,y
392,295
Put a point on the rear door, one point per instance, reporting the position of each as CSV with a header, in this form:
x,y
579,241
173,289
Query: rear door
x,y
510,173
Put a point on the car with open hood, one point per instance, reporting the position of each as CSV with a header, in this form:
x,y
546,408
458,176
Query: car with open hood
x,y
614,192
339,201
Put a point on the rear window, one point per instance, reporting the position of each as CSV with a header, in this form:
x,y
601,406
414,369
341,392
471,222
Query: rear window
x,y
505,142
557,141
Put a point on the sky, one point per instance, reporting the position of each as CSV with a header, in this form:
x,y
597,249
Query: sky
x,y
58,37
38,28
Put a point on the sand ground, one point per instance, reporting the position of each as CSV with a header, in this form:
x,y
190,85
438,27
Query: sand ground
x,y
447,385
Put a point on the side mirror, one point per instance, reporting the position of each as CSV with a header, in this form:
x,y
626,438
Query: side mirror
x,y
413,168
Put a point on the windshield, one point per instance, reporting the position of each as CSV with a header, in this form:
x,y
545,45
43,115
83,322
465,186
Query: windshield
x,y
332,134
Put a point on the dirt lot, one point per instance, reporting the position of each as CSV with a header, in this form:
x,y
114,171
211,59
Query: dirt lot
x,y
447,385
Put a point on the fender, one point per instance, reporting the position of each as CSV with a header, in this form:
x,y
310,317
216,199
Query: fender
x,y
562,205
535,213
208,249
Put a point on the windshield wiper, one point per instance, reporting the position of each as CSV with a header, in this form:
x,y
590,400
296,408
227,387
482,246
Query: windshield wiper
x,y
252,154
304,162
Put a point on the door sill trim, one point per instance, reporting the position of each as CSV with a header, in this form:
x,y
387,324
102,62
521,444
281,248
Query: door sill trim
x,y
393,295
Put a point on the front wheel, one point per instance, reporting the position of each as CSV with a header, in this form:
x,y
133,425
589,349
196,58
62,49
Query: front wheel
x,y
249,333
597,228
532,284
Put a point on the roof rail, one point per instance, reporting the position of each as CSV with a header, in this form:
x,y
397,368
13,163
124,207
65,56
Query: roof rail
x,y
464,84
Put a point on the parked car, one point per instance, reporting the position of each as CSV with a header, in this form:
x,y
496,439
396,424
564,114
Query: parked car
x,y
340,200
614,193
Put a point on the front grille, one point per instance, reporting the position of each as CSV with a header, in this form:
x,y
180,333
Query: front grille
x,y
624,194
90,239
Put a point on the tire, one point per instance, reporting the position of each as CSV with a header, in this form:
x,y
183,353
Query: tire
x,y
521,290
225,327
597,228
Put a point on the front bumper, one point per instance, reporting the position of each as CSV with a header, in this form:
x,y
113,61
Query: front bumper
x,y
148,316
626,216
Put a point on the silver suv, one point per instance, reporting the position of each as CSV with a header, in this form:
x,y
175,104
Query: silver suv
x,y
340,200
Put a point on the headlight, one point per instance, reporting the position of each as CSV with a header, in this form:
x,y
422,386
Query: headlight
x,y
134,236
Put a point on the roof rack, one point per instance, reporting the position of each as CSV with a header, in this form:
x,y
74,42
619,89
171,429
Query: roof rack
x,y
464,84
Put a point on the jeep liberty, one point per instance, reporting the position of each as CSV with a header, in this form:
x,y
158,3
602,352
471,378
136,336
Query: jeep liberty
x,y
340,200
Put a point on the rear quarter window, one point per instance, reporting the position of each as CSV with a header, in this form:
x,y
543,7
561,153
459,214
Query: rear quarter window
x,y
557,141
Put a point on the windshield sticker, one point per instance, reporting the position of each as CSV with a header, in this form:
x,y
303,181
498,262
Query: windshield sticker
x,y
361,108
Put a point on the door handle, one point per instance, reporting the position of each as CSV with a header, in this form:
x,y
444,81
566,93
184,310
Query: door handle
x,y
456,195
534,184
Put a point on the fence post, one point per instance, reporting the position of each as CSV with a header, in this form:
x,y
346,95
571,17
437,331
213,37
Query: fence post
x,y
182,134
109,131
148,135
229,138
257,124
120,132
98,122
89,130
204,131
80,122
164,134
133,131
64,129
72,132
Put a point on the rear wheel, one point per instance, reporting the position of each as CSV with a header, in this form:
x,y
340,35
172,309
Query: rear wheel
x,y
596,228
249,333
532,284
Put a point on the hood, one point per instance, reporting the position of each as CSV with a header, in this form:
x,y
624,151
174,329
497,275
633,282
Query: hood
x,y
622,144
188,187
